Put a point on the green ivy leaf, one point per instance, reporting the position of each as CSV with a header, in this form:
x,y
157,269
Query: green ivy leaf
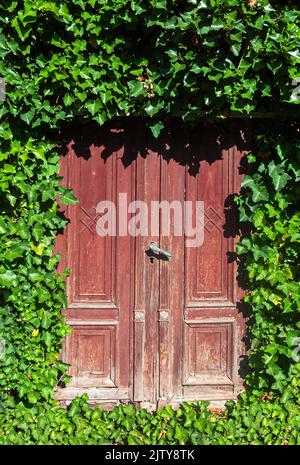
x,y
279,177
93,107
8,278
68,198
156,128
33,397
136,88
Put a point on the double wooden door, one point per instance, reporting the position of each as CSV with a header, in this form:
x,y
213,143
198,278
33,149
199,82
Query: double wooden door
x,y
149,328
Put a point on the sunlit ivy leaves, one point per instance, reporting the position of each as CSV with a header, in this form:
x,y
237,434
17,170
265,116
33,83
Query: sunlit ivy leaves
x,y
104,59
32,294
269,201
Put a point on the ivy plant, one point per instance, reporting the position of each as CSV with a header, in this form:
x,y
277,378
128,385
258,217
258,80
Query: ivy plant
x,y
76,60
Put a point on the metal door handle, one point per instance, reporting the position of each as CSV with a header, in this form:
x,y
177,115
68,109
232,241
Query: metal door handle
x,y
154,248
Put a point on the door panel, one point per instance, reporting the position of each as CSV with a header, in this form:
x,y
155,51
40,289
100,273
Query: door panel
x,y
148,329
212,325
171,287
146,288
209,277
100,286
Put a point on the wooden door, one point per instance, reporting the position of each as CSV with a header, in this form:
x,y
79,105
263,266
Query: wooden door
x,y
145,328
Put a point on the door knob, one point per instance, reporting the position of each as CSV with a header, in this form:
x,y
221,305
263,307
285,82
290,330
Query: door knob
x,y
154,248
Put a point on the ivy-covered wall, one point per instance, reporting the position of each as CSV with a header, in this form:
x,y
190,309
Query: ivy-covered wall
x,y
79,60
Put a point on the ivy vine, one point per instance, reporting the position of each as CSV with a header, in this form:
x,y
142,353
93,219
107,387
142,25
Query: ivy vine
x,y
80,60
